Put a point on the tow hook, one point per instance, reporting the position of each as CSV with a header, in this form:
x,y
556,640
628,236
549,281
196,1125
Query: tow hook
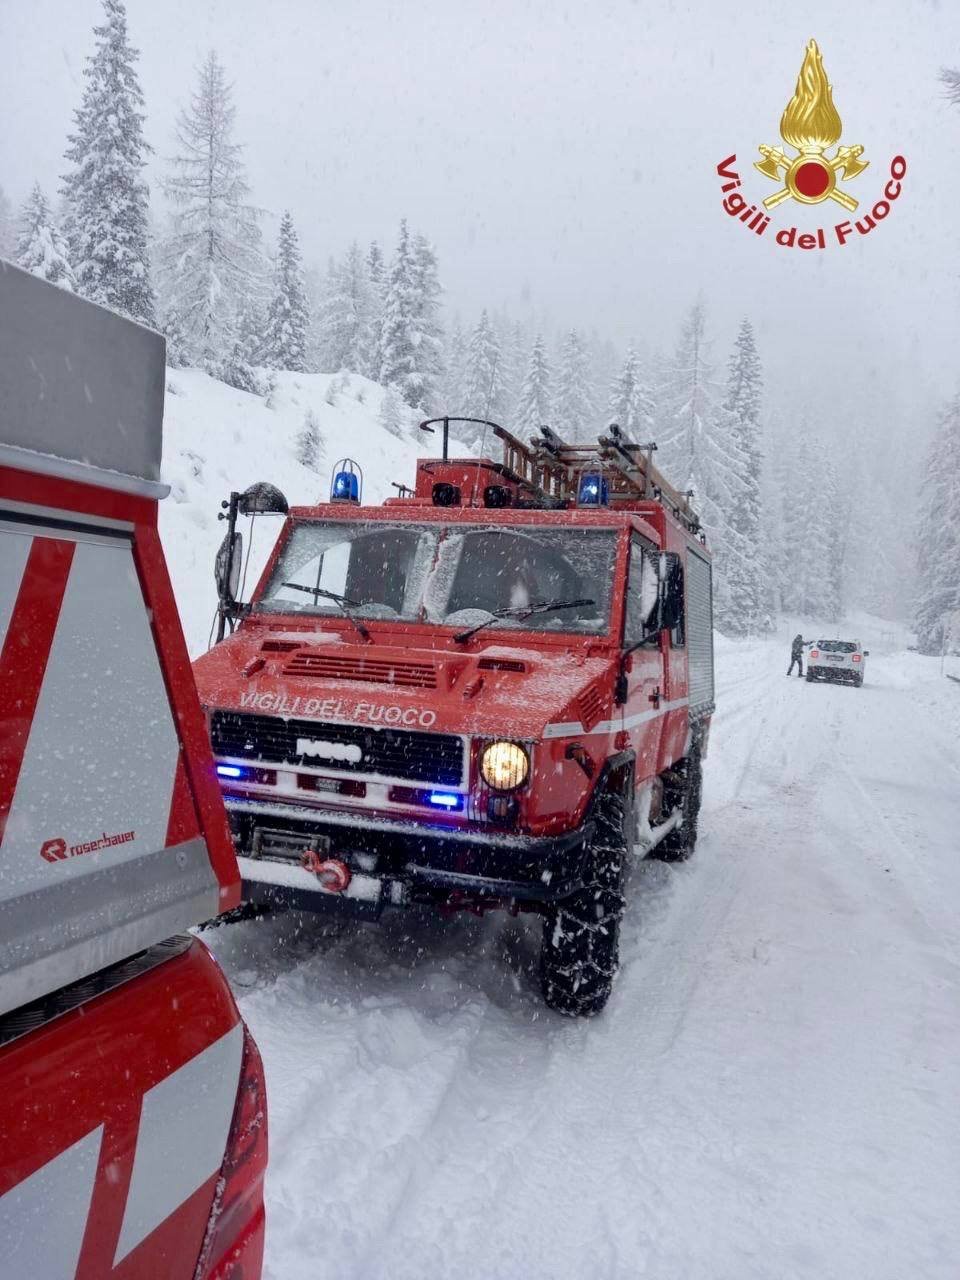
x,y
333,873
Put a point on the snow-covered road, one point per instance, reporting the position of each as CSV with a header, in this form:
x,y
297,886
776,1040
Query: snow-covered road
x,y
772,1092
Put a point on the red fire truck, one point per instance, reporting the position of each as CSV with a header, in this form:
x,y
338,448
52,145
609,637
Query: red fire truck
x,y
132,1108
487,692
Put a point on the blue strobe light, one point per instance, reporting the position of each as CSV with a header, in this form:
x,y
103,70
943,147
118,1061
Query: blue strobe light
x,y
230,771
593,491
445,799
347,484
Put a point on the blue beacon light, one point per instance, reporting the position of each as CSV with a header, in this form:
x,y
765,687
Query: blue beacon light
x,y
347,483
593,491
230,771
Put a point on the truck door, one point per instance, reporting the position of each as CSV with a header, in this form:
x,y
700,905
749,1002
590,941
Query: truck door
x,y
642,716
673,643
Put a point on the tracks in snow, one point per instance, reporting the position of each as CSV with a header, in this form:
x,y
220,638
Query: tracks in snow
x,y
769,1094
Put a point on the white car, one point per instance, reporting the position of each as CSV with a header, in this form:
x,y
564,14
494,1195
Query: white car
x,y
839,660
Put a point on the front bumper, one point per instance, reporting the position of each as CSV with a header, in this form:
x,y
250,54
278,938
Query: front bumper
x,y
397,863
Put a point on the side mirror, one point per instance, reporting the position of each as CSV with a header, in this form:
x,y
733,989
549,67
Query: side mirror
x,y
866,653
226,568
260,499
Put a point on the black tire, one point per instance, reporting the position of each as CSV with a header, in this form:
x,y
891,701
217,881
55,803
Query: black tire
x,y
580,951
683,786
809,678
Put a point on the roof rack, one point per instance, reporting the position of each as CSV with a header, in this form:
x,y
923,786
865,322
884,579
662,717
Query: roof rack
x,y
551,468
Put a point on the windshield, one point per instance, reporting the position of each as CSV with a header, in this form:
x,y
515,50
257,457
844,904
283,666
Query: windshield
x,y
837,646
457,577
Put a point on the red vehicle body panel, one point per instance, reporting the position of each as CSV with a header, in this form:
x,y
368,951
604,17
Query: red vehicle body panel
x,y
91,1068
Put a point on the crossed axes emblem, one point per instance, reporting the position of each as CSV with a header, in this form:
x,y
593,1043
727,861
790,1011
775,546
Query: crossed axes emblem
x,y
846,162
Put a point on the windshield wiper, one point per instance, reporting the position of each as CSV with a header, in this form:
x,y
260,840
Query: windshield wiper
x,y
345,603
524,611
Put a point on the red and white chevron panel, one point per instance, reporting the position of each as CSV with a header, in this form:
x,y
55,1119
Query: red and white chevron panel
x,y
111,822
90,762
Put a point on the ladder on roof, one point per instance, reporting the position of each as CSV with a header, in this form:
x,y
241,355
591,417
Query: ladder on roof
x,y
553,468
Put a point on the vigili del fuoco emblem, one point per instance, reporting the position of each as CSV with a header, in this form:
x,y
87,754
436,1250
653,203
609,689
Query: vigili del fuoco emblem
x,y
811,125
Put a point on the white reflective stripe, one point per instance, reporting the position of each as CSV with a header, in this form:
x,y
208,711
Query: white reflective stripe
x,y
43,1218
45,464
13,557
101,756
184,1124
573,728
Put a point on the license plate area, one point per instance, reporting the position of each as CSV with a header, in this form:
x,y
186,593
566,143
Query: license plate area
x,y
272,845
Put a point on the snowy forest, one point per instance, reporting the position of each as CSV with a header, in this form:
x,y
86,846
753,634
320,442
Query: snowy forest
x,y
790,534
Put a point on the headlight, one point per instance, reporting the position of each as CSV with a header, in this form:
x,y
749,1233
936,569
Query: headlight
x,y
504,766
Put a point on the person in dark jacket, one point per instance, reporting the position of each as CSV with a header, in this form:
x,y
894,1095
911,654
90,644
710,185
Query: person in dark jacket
x,y
796,655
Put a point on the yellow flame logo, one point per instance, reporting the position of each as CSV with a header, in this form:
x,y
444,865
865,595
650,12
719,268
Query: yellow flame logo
x,y
811,120
810,124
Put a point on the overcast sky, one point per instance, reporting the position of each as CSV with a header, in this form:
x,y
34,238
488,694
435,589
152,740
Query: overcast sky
x,y
563,158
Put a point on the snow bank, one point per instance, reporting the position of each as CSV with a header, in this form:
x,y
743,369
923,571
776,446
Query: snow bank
x,y
217,439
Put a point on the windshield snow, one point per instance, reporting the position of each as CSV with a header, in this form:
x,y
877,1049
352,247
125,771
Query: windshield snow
x,y
457,577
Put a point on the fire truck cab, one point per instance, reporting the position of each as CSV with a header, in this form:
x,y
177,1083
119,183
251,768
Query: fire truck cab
x,y
486,692
132,1107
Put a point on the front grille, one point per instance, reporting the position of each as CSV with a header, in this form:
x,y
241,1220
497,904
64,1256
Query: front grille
x,y
391,753
328,666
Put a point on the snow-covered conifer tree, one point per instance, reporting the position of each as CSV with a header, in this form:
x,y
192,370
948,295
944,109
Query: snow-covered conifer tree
x,y
107,229
402,362
376,268
813,524
171,326
484,373
393,413
512,364
41,249
8,232
285,345
308,448
398,355
533,406
689,402
631,404
938,560
703,449
739,427
574,411
879,571
377,275
211,261
454,395
427,293
250,331
347,316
